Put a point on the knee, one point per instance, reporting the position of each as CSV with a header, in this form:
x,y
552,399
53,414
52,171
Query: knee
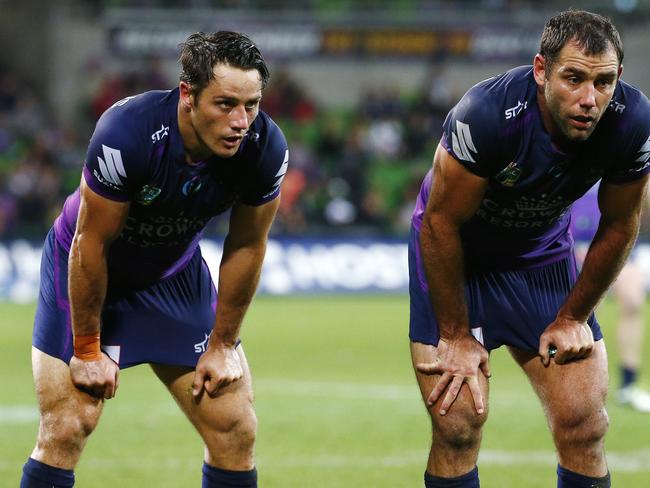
x,y
460,429
66,429
236,426
583,428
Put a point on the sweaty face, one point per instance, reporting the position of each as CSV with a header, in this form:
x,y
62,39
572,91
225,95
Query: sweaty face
x,y
577,90
225,109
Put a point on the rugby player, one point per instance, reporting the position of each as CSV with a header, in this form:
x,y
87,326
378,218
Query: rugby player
x,y
122,278
491,258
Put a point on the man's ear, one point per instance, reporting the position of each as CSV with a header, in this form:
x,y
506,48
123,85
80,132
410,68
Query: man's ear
x,y
186,96
539,69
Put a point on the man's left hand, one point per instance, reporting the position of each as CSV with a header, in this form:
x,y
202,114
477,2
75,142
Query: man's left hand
x,y
218,367
571,338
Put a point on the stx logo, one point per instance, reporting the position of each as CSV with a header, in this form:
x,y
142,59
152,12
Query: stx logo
x,y
200,347
514,111
159,134
619,108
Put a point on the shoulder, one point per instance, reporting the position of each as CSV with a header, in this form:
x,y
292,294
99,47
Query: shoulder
x,y
629,114
267,137
139,112
499,98
478,128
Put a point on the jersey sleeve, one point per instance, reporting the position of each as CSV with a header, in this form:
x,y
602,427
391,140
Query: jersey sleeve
x,y
470,132
264,185
116,158
635,154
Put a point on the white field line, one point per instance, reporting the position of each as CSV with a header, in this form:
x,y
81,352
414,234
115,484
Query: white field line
x,y
630,462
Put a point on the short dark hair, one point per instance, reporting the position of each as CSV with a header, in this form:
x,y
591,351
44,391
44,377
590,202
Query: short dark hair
x,y
593,33
201,52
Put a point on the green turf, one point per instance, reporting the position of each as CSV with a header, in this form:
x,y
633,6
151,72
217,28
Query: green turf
x,y
337,405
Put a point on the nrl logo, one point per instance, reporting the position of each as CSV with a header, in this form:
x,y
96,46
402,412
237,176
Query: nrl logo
x,y
147,194
509,175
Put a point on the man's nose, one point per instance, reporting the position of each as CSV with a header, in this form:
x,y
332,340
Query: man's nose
x,y
239,118
588,96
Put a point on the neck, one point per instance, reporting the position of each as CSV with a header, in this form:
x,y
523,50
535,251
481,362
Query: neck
x,y
557,138
195,150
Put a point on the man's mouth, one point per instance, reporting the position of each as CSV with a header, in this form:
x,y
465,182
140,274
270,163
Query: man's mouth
x,y
232,141
582,121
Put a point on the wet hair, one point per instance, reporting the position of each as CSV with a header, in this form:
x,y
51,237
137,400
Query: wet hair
x,y
593,33
201,52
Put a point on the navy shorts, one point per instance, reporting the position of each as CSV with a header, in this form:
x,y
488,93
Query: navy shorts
x,y
167,323
505,307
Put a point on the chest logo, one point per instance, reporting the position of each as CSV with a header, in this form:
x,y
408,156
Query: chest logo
x,y
509,175
147,194
192,185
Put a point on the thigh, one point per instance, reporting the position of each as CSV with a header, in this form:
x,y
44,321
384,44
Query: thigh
x,y
229,406
570,392
67,415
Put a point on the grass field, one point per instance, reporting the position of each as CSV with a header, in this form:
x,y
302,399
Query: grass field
x,y
336,401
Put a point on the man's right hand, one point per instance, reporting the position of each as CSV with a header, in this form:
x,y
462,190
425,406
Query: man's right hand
x,y
457,361
99,378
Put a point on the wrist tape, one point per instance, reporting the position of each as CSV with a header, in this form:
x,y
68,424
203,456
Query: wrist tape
x,y
86,347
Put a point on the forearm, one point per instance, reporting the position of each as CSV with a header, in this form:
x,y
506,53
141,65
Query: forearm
x,y
606,256
86,285
442,255
239,274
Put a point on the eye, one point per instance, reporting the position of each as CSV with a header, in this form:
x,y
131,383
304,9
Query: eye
x,y
573,80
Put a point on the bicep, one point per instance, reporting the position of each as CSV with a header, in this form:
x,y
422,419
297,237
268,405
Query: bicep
x,y
619,202
251,224
99,218
456,194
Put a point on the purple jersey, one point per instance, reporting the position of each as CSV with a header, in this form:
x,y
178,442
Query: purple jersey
x,y
496,132
136,154
585,216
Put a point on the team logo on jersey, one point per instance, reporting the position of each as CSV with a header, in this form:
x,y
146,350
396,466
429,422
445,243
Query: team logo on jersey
x,y
160,133
559,169
147,194
509,175
111,167
644,152
280,174
514,111
192,186
462,143
253,136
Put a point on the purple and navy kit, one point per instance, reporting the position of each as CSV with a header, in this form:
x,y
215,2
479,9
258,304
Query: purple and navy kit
x,y
160,293
585,216
521,227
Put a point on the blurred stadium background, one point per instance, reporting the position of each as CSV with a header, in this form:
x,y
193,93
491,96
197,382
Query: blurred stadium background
x,y
360,89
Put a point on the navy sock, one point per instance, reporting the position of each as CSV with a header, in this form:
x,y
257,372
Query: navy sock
x,y
569,479
628,376
221,478
39,475
469,480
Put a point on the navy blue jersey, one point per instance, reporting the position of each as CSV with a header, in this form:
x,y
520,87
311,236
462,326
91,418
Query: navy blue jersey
x,y
136,154
496,132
